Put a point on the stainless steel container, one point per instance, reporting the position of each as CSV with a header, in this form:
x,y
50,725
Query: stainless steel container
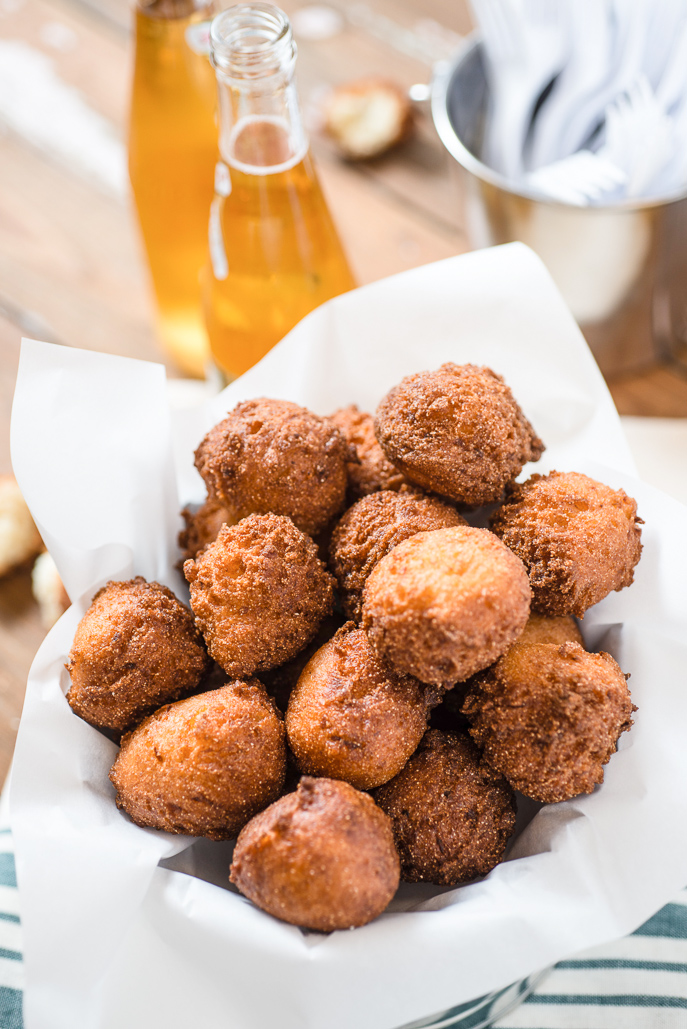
x,y
621,269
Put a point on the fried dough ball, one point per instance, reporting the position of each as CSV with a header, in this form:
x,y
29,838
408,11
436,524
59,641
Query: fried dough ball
x,y
457,431
549,717
372,471
452,814
205,765
538,629
578,538
442,605
322,857
372,528
136,648
259,593
202,527
273,456
546,629
350,717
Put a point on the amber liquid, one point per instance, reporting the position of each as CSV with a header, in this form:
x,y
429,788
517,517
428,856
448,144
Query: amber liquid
x,y
172,155
275,253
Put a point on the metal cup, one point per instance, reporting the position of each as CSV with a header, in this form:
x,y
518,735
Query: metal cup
x,y
622,269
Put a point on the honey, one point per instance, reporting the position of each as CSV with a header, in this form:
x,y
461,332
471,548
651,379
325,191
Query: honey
x,y
274,252
172,155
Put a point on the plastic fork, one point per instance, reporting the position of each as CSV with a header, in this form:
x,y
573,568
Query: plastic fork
x,y
580,179
631,24
584,73
526,48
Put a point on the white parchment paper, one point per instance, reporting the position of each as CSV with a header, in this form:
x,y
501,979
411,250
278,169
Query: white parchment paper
x,y
113,937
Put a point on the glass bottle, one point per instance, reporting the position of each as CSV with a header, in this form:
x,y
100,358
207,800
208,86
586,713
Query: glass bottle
x,y
274,251
172,154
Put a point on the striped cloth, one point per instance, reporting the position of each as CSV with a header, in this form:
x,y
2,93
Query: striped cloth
x,y
11,966
636,983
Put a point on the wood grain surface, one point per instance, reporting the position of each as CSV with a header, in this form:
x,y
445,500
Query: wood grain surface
x,y
71,270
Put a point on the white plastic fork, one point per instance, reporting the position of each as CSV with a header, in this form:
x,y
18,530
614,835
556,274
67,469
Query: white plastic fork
x,y
631,23
580,179
584,73
525,48
640,136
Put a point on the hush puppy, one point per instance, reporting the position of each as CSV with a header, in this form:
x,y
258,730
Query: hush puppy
x,y
578,538
322,857
350,717
549,629
136,648
201,527
372,471
442,605
205,765
457,431
274,456
452,814
372,528
259,593
548,717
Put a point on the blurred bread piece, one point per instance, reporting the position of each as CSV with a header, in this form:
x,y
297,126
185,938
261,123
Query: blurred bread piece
x,y
48,590
367,117
19,537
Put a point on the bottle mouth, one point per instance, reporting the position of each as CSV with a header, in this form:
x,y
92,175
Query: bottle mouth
x,y
252,40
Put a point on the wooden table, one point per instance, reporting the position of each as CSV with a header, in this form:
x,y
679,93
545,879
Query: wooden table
x,y
70,263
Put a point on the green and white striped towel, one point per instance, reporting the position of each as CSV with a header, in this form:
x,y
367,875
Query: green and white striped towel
x,y
636,983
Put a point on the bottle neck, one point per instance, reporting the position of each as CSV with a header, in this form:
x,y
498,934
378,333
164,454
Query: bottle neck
x,y
260,126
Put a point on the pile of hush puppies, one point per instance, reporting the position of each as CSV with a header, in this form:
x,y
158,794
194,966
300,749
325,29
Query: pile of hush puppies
x,y
364,678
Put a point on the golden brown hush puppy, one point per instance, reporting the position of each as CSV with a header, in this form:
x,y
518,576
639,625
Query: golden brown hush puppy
x,y
452,814
350,717
578,538
259,593
372,528
201,527
444,604
538,629
549,629
372,471
457,431
205,765
548,718
136,648
322,857
274,456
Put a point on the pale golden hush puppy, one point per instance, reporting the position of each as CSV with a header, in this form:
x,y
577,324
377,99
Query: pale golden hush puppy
x,y
136,648
205,765
322,857
457,431
444,604
274,456
548,717
259,593
351,717
578,538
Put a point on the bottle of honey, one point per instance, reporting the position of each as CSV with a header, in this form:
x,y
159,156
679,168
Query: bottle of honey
x,y
172,154
274,250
